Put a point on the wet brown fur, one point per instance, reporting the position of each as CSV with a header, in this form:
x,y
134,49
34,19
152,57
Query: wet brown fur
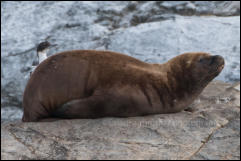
x,y
93,84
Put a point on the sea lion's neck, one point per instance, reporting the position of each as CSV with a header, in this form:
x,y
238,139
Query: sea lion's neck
x,y
178,79
174,86
42,55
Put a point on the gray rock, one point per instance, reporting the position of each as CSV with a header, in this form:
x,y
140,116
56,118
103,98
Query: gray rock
x,y
224,8
222,144
159,41
211,131
11,114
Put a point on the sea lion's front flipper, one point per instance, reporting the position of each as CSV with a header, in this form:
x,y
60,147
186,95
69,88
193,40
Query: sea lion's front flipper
x,y
101,104
80,108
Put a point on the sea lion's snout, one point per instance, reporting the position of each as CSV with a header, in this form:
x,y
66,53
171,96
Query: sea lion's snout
x,y
217,59
210,65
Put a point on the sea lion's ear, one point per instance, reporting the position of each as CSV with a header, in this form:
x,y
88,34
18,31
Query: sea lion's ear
x,y
189,63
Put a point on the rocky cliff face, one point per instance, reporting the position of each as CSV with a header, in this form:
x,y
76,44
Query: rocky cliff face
x,y
150,31
209,129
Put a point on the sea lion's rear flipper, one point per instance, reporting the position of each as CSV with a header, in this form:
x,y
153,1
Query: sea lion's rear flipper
x,y
34,114
81,108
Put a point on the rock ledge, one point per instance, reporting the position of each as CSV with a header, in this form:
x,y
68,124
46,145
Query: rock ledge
x,y
209,129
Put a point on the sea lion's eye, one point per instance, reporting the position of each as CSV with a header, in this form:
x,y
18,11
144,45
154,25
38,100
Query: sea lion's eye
x,y
202,60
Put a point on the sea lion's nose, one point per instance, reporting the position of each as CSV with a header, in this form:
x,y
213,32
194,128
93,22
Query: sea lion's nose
x,y
217,58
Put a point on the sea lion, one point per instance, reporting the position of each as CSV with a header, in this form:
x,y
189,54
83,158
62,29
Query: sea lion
x,y
94,84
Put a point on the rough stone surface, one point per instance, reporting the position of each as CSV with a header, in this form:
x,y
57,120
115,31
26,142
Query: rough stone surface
x,y
11,113
208,129
150,31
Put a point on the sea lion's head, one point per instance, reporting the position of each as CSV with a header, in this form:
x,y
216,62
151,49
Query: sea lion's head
x,y
197,69
207,66
203,66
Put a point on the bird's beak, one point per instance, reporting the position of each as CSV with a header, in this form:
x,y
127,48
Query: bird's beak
x,y
53,45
